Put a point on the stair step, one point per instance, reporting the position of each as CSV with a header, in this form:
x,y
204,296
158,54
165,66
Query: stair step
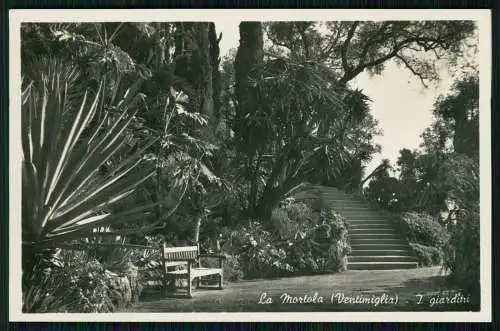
x,y
382,258
384,223
372,230
375,238
369,220
370,225
380,246
365,212
374,235
384,252
346,205
377,241
341,200
379,228
365,218
381,266
350,208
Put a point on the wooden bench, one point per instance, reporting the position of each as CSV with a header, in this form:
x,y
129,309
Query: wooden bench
x,y
187,266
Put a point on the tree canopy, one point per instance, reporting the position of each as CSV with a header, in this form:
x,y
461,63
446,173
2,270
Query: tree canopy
x,y
350,48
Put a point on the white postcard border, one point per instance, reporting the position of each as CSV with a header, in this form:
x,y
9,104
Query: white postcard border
x,y
483,19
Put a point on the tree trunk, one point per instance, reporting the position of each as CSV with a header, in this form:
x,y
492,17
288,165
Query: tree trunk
x,y
196,57
269,200
180,60
197,229
250,54
254,187
202,75
215,61
272,196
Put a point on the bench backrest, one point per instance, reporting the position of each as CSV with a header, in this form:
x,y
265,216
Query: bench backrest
x,y
180,253
177,256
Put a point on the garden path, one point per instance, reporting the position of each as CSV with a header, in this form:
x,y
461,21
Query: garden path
x,y
244,296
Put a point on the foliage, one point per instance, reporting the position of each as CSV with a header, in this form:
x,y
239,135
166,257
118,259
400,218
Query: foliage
x,y
426,182
84,170
323,246
257,253
463,255
299,241
296,128
86,153
232,271
344,50
98,163
291,218
75,282
441,180
461,180
382,192
320,244
427,255
281,223
460,110
63,156
424,229
350,48
430,178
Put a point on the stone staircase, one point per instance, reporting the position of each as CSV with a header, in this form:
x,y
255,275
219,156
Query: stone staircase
x,y
375,243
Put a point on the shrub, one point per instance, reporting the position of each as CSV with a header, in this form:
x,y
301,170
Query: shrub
x,y
300,242
90,288
75,282
322,246
283,227
463,253
132,273
317,204
291,218
299,212
427,255
232,269
336,235
421,228
120,291
257,254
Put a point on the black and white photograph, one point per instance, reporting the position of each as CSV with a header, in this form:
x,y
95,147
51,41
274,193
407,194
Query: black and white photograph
x,y
312,165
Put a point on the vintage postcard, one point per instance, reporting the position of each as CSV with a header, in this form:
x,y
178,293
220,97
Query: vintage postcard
x,y
250,165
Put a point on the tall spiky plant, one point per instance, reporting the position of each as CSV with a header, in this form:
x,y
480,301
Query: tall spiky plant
x,y
64,148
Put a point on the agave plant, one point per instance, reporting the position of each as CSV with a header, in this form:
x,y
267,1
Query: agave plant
x,y
65,194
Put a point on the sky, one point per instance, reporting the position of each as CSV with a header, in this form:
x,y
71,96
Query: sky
x,y
402,106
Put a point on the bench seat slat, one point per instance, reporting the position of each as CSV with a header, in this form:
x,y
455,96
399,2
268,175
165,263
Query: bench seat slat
x,y
200,272
197,272
175,263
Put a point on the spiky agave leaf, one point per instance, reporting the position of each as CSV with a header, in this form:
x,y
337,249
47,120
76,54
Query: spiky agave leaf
x,y
62,157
